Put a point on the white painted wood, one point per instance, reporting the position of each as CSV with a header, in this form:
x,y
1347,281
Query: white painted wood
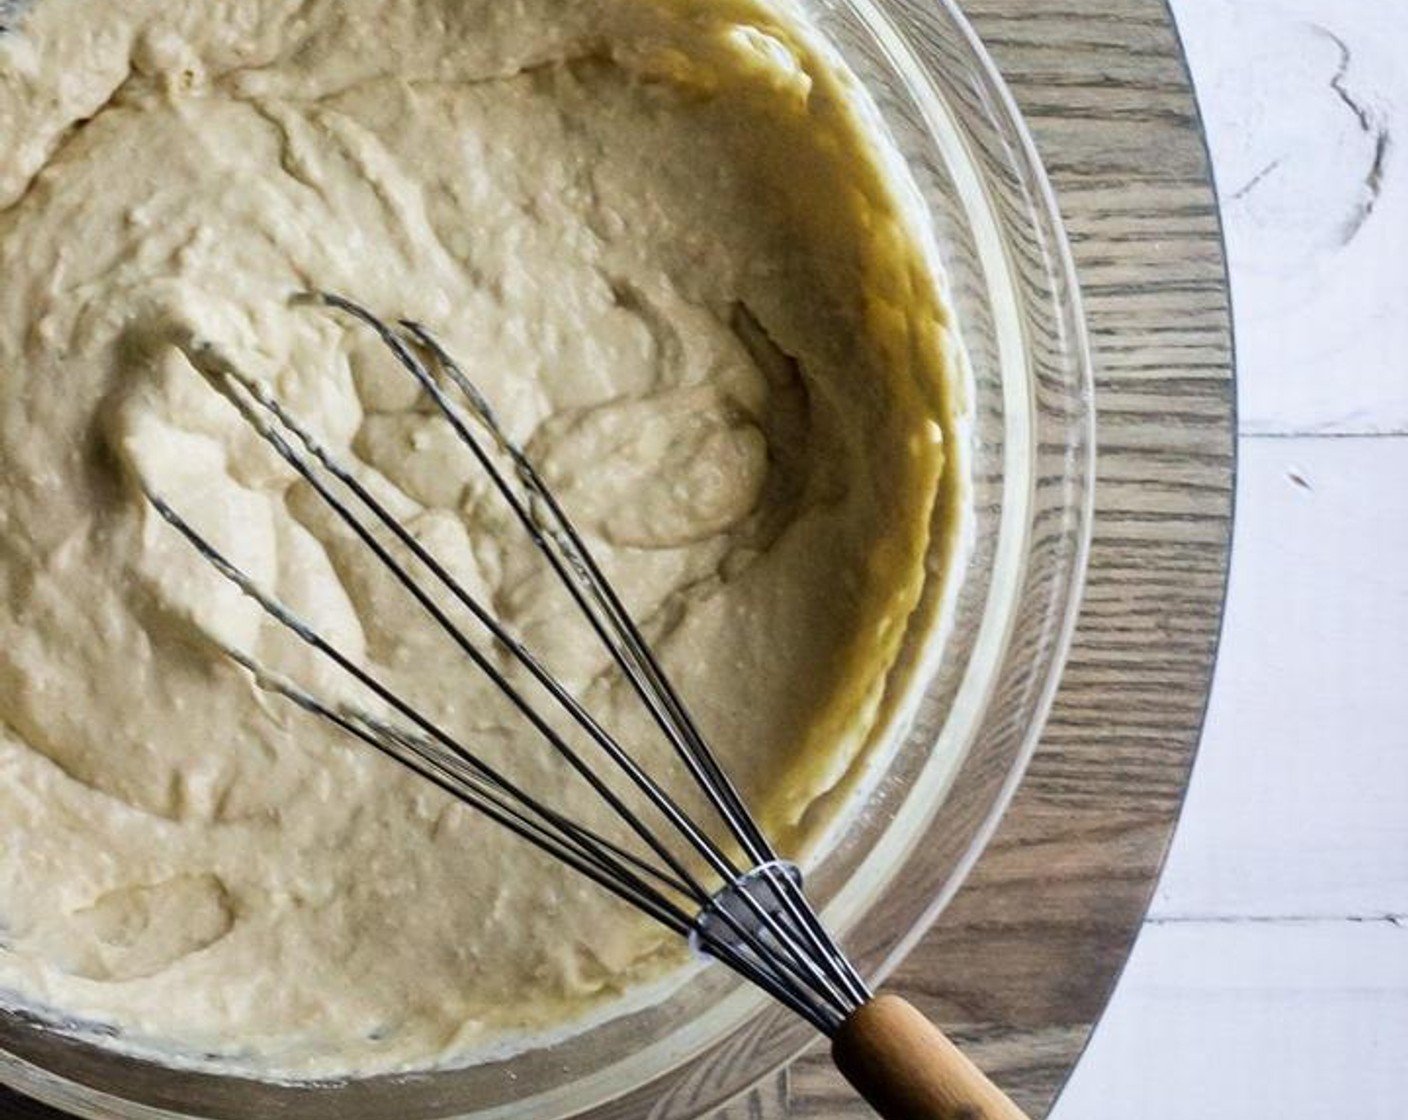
x,y
1272,978
1306,108
1299,800
1253,1021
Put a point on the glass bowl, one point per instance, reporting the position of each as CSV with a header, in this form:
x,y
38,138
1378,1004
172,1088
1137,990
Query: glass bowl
x,y
966,727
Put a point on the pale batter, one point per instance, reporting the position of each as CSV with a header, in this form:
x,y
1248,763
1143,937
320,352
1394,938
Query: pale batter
x,y
658,234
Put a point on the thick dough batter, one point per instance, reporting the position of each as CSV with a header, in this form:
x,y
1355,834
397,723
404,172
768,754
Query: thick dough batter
x,y
659,235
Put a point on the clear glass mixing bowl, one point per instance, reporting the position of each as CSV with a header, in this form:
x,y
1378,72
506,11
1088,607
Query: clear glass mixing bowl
x,y
979,707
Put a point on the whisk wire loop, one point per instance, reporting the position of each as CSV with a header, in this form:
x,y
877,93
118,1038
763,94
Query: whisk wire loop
x,y
651,684
236,388
443,621
758,922
555,536
448,765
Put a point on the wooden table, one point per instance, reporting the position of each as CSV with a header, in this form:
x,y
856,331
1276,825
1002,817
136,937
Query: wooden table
x,y
1020,966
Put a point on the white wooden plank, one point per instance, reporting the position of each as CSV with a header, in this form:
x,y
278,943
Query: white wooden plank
x,y
1245,1021
1302,100
1299,799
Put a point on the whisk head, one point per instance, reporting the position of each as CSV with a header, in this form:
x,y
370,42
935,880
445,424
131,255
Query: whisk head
x,y
733,897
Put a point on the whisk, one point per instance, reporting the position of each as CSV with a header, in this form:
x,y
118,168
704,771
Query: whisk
x,y
721,885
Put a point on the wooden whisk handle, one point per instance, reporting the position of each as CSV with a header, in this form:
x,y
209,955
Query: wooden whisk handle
x,y
907,1069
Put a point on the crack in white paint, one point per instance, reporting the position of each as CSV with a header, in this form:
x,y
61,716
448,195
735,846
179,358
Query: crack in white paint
x,y
1369,124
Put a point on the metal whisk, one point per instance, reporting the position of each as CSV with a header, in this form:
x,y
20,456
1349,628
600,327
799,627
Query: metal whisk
x,y
728,892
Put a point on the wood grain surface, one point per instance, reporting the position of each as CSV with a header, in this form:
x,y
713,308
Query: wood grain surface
x,y
1020,966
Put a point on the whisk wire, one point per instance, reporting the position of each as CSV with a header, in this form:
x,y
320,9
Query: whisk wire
x,y
578,572
403,577
759,923
631,652
481,774
732,808
583,850
561,545
711,852
656,689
